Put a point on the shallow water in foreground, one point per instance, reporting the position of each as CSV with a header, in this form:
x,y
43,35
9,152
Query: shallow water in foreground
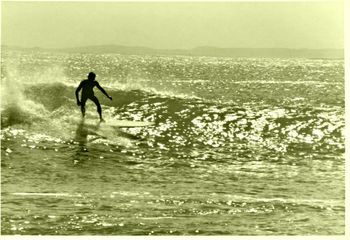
x,y
240,146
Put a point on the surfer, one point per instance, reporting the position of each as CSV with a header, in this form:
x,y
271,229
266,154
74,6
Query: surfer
x,y
88,93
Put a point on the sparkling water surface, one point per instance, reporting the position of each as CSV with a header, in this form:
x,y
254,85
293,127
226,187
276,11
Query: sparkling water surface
x,y
239,146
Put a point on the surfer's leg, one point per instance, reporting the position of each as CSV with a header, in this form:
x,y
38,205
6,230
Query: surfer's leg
x,y
82,106
98,105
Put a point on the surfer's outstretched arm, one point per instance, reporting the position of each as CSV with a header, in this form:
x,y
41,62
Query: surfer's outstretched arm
x,y
102,90
77,93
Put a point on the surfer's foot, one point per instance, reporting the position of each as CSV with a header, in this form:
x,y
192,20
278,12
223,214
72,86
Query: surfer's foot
x,y
102,120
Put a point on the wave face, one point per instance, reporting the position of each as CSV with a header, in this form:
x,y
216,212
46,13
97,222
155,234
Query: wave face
x,y
233,137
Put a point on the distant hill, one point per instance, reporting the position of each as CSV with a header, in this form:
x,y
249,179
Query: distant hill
x,y
199,51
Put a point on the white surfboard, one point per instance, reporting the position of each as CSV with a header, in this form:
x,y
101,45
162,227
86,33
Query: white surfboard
x,y
126,123
112,123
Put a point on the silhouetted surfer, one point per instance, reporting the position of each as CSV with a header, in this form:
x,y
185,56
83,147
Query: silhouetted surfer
x,y
88,93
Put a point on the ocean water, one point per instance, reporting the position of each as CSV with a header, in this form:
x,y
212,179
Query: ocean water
x,y
241,146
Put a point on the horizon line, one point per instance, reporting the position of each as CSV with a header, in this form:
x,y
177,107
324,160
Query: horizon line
x,y
139,46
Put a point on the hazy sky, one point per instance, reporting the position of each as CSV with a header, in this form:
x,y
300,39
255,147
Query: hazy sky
x,y
173,25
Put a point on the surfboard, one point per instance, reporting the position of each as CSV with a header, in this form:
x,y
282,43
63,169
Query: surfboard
x,y
126,123
113,123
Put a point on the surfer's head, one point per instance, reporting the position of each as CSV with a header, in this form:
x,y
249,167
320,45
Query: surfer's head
x,y
91,76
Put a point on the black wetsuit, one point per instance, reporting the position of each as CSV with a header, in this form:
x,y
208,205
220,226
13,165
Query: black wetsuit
x,y
88,93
